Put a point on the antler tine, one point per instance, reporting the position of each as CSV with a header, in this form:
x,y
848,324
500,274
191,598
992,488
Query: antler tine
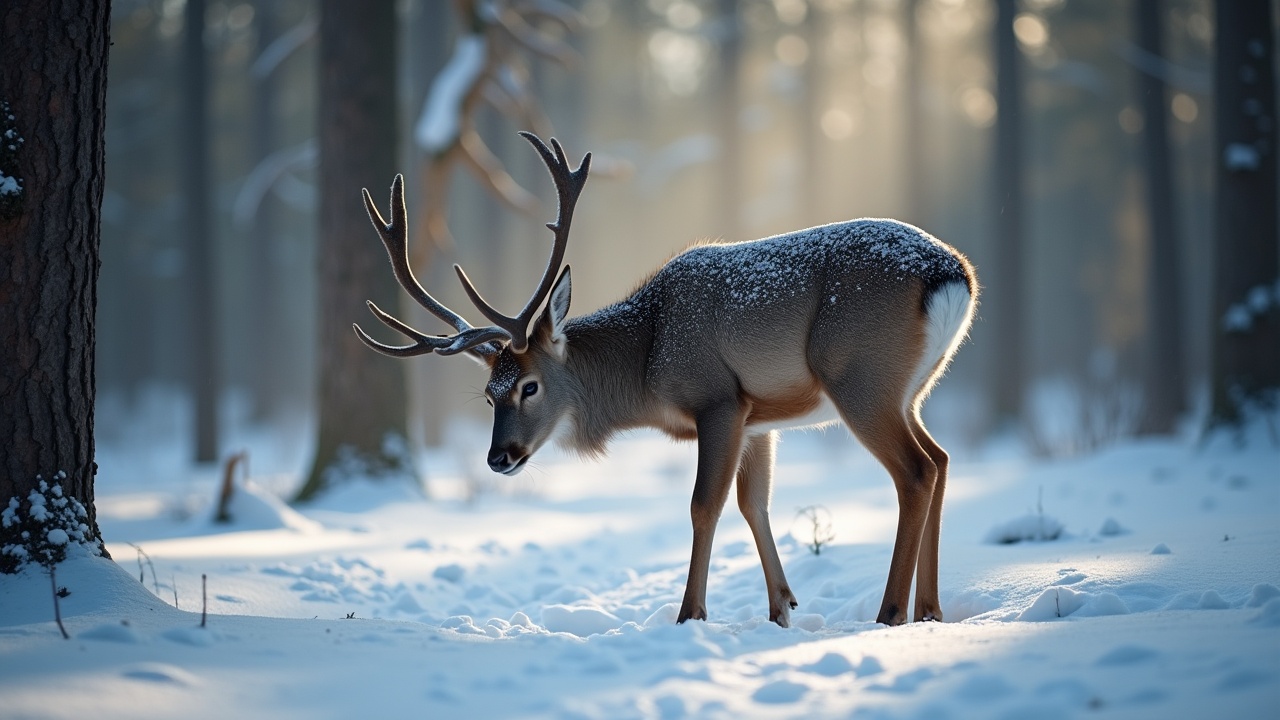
x,y
394,239
569,184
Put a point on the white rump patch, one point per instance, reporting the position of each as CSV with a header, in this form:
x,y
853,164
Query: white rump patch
x,y
948,315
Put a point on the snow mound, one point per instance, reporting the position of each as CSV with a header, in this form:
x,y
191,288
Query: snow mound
x,y
1269,615
1111,528
1262,594
1032,527
252,507
96,587
580,621
1059,602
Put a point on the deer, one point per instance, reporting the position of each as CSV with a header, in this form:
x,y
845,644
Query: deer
x,y
727,344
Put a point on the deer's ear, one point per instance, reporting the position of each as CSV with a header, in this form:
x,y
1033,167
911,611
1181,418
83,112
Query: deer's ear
x,y
550,325
558,305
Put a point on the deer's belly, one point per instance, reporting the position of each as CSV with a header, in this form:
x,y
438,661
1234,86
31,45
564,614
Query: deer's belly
x,y
791,414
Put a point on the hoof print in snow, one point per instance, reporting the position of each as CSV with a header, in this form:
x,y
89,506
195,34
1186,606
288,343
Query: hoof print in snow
x,y
1126,655
868,667
449,573
121,633
160,673
780,692
830,665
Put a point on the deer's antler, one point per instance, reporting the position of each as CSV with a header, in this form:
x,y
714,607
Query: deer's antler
x,y
394,238
479,340
569,184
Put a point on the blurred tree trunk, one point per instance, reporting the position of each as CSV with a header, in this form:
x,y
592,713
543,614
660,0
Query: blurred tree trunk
x,y
1164,379
268,358
362,395
53,82
812,175
429,27
204,370
916,190
1005,303
1246,348
728,110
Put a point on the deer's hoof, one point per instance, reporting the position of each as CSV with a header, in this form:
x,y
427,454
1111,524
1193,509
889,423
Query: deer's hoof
x,y
890,615
691,613
781,616
780,609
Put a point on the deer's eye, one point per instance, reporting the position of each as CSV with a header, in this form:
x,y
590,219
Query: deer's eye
x,y
530,389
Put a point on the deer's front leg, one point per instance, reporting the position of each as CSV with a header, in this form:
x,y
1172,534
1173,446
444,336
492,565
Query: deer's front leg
x,y
719,448
755,486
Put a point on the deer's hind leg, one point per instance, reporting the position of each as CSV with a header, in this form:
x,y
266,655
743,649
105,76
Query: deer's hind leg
x,y
928,606
882,424
755,487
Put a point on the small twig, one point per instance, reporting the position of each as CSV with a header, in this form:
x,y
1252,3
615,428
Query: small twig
x,y
223,514
57,609
204,595
821,532
142,577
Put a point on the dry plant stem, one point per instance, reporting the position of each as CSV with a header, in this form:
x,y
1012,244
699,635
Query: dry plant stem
x,y
223,514
142,578
57,608
204,598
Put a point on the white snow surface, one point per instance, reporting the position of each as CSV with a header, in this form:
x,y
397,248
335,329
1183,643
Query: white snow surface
x,y
559,600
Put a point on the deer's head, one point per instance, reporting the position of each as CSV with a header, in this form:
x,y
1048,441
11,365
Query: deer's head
x,y
529,388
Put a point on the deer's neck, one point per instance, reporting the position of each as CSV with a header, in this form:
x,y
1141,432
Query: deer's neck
x,y
608,351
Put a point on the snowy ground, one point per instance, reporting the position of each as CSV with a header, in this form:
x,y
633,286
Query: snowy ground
x,y
557,596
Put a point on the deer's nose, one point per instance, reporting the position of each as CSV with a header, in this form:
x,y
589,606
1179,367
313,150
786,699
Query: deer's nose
x,y
508,460
499,460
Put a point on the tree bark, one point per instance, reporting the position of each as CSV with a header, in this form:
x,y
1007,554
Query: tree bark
x,y
362,395
1005,302
204,367
267,370
53,80
728,111
1246,348
1164,377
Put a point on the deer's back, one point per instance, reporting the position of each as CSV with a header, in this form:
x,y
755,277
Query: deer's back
x,y
755,316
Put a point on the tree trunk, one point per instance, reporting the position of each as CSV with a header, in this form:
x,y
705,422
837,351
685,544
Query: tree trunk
x,y
811,140
1246,348
1005,302
267,367
429,25
1164,379
362,395
202,346
728,110
53,81
916,185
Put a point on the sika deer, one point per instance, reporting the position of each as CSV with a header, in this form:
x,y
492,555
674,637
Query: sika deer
x,y
727,344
